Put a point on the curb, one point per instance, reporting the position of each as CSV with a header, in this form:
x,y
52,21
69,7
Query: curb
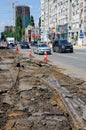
x,y
79,47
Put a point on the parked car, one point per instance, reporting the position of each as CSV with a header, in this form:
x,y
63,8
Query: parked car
x,y
62,46
9,46
41,47
33,43
24,45
3,44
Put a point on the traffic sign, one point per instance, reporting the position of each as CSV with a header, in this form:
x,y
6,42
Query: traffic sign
x,y
81,35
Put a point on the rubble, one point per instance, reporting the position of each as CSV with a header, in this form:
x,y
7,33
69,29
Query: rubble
x,y
31,95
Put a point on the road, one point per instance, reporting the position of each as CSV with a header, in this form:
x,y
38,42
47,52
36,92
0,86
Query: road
x,y
74,64
76,59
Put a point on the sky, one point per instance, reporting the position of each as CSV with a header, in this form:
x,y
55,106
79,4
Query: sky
x,y
6,11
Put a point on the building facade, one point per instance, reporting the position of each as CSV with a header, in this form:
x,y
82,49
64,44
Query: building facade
x,y
63,19
8,28
63,15
32,34
24,12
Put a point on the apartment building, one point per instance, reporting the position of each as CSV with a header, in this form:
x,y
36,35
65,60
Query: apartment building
x,y
48,18
77,30
44,19
63,15
64,19
76,25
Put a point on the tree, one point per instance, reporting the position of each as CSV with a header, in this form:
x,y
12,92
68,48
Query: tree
x,y
2,36
18,28
7,33
32,21
39,24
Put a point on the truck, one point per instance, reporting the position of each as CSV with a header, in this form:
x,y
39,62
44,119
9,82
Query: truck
x,y
11,41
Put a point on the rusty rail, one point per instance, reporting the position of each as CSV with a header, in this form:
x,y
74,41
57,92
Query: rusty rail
x,y
68,100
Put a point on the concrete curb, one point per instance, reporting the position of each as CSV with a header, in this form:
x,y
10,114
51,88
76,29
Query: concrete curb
x,y
79,47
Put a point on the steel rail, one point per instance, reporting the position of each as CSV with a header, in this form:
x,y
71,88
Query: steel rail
x,y
68,101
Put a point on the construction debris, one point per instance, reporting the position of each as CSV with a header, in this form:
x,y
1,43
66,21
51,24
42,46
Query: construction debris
x,y
37,96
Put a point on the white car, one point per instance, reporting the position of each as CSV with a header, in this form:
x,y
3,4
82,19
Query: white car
x,y
41,48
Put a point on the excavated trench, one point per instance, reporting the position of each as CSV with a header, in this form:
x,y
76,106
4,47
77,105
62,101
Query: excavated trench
x,y
37,96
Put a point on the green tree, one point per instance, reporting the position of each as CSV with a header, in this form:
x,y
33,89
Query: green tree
x,y
39,23
32,21
7,33
18,28
2,36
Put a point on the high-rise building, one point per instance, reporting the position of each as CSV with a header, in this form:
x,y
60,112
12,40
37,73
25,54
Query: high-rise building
x,y
64,19
24,12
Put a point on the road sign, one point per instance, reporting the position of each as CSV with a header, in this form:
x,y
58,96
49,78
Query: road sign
x,y
81,35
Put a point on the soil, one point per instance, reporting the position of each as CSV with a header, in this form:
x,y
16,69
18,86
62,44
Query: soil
x,y
28,98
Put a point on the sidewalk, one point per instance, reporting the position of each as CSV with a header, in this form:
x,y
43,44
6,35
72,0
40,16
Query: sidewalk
x,y
79,47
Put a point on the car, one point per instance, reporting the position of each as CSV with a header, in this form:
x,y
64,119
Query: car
x,y
62,46
24,45
41,48
3,44
9,46
33,43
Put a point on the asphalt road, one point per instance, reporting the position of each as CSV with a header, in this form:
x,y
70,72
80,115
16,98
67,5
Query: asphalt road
x,y
73,64
76,59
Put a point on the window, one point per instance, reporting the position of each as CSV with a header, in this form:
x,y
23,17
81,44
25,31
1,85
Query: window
x,y
85,3
85,13
77,25
85,24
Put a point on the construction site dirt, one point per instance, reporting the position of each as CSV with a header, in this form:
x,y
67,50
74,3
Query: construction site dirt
x,y
36,95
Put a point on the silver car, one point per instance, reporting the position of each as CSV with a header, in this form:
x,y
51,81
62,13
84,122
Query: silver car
x,y
41,48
